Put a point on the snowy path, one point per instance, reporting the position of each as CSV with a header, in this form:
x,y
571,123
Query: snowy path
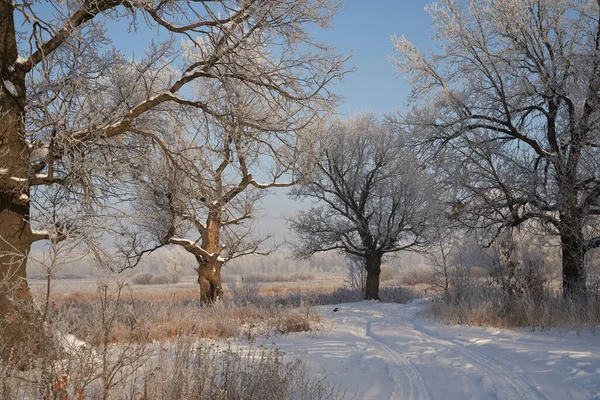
x,y
384,351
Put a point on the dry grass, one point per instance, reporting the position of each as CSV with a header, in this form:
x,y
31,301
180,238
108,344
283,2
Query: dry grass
x,y
268,278
415,275
482,303
149,321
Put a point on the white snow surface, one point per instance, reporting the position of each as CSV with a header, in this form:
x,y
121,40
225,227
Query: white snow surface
x,y
379,350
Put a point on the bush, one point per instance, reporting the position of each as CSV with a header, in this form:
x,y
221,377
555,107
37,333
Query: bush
x,y
143,278
160,280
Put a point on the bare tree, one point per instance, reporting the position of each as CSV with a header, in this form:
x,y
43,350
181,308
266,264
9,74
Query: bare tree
x,y
176,264
510,104
370,197
75,114
203,195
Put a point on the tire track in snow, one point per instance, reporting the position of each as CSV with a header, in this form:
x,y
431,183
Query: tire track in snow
x,y
493,367
417,389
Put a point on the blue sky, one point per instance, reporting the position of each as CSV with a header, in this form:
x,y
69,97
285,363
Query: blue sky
x,y
364,29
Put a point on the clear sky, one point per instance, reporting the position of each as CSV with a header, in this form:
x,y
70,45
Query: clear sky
x,y
363,28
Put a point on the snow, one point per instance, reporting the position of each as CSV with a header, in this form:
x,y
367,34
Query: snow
x,y
386,351
21,60
17,179
24,197
3,171
10,87
40,232
40,154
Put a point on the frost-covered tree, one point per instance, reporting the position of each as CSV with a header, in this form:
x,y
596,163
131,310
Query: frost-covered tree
x,y
203,197
76,112
370,196
510,104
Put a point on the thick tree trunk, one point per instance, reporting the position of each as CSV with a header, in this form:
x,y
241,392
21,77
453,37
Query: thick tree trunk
x,y
373,265
573,254
19,322
209,278
209,269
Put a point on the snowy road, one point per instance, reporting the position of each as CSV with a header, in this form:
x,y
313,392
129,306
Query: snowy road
x,y
384,351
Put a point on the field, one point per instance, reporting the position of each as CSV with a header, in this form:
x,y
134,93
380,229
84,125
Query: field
x,y
303,332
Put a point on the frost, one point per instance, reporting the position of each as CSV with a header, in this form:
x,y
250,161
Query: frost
x,y
10,87
39,154
40,232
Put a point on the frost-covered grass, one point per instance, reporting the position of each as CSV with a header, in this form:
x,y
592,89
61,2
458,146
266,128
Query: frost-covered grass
x,y
179,370
483,303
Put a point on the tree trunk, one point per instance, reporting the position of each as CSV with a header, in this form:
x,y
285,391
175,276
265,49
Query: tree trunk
x,y
209,269
19,322
573,264
209,278
373,265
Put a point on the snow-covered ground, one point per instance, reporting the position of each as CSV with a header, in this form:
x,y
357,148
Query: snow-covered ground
x,y
385,351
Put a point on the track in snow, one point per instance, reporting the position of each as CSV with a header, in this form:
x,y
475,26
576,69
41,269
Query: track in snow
x,y
515,385
416,387
383,351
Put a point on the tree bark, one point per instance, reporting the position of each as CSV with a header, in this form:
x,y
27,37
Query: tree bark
x,y
209,279
209,269
573,254
19,318
373,265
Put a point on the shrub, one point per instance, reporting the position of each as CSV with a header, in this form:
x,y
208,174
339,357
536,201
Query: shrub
x,y
143,278
160,280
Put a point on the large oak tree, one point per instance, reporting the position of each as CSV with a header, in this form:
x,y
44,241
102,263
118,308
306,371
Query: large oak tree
x,y
370,196
510,104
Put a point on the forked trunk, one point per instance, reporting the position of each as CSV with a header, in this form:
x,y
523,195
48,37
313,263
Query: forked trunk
x,y
19,319
373,265
573,254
